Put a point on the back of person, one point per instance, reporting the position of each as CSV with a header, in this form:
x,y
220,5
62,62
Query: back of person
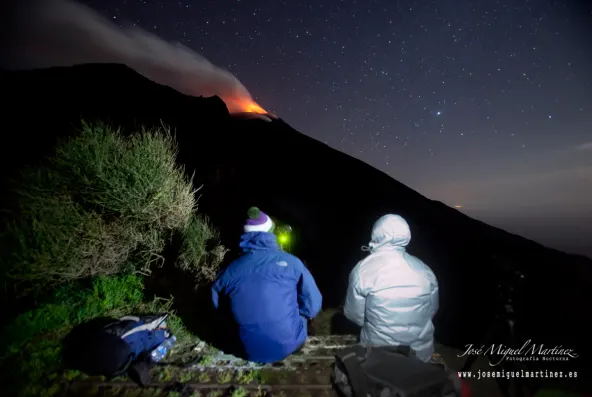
x,y
263,300
270,294
393,295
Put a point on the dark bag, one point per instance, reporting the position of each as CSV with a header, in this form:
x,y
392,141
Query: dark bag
x,y
98,347
390,371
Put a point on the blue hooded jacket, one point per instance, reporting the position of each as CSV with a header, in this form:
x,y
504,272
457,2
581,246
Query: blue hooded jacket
x,y
271,294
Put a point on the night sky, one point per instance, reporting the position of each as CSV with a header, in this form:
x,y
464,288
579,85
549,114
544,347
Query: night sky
x,y
483,104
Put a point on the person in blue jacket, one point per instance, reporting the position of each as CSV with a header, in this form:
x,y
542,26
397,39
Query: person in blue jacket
x,y
270,293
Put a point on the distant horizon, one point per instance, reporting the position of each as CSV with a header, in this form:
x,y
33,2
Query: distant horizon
x,y
564,228
561,228
566,234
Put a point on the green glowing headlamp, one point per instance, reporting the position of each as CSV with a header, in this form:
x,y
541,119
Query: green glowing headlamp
x,y
283,234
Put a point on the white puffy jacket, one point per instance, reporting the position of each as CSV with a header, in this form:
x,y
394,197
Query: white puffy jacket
x,y
392,295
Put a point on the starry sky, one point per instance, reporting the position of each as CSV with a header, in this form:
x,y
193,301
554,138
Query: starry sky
x,y
482,104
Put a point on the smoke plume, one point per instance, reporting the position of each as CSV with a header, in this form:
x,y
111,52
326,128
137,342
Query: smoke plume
x,y
47,33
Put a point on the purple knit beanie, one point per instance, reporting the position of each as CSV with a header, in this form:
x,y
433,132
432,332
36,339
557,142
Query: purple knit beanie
x,y
258,221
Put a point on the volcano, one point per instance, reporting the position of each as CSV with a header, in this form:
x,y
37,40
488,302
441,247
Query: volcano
x,y
330,199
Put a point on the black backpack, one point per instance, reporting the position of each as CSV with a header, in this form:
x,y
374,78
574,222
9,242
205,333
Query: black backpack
x,y
97,347
390,371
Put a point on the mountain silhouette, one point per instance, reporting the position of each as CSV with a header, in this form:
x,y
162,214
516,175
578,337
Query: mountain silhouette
x,y
330,199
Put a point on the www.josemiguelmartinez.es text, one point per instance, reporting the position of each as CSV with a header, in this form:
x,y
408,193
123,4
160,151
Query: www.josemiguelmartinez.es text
x,y
516,374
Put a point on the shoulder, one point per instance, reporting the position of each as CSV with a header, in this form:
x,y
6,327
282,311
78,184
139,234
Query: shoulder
x,y
290,259
359,269
421,268
274,262
417,264
366,273
234,268
373,261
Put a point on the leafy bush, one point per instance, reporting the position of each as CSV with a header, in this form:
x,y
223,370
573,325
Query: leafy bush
x,y
105,203
87,225
195,255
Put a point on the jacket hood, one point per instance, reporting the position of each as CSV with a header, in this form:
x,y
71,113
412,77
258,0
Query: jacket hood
x,y
258,241
390,232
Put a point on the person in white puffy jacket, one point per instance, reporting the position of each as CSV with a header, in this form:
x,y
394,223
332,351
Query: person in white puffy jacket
x,y
393,295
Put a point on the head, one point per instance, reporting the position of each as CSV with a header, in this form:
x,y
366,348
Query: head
x,y
390,231
258,221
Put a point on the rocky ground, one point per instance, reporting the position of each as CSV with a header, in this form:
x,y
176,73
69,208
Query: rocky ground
x,y
305,374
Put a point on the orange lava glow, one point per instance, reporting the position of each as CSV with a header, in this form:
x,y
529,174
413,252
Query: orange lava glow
x,y
239,105
254,107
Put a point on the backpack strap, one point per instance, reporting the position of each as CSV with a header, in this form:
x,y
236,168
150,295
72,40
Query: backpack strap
x,y
123,369
405,350
350,358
